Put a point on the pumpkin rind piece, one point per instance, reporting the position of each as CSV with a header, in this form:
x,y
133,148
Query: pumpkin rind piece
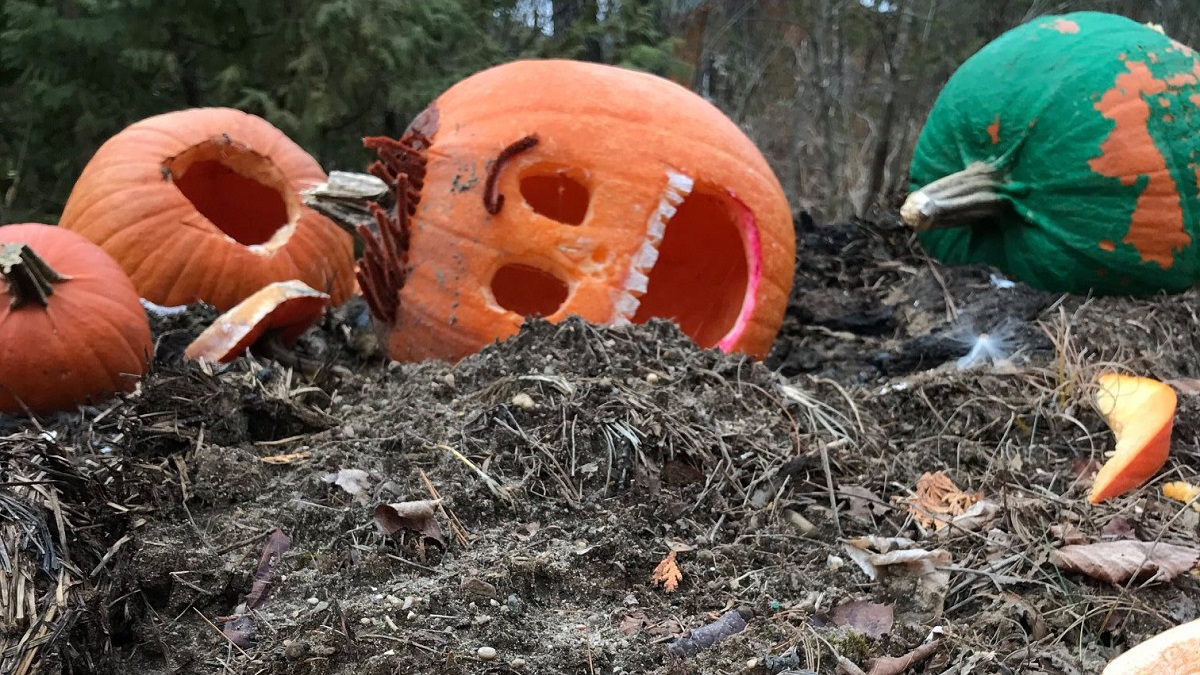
x,y
1089,125
1141,413
203,205
562,188
287,308
80,338
1175,651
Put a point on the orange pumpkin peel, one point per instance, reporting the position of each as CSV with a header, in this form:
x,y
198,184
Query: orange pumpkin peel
x,y
1141,412
277,314
1173,652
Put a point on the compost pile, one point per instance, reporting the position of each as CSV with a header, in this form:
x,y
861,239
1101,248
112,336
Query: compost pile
x,y
582,499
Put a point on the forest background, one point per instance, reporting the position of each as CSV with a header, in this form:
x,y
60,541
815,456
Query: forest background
x,y
833,91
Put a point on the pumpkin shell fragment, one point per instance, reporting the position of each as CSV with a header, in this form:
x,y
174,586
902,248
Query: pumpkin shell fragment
x,y
286,307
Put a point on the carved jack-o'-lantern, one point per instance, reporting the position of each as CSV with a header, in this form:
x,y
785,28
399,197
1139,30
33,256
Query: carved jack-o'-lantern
x,y
554,188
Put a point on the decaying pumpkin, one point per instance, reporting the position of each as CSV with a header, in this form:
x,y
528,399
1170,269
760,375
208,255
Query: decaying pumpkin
x,y
1067,154
203,205
552,188
72,329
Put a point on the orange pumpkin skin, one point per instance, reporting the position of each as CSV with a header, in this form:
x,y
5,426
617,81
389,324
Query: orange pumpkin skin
x,y
90,340
601,159
203,205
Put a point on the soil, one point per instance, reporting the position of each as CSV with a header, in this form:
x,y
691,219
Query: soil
x,y
571,460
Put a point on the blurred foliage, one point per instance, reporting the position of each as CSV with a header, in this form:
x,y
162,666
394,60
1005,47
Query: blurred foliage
x,y
326,72
833,91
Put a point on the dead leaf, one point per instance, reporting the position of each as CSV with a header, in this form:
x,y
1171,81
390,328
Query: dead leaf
x,y
1186,386
862,503
277,545
1119,561
667,573
1068,533
872,619
353,481
289,458
1117,528
975,519
632,624
876,556
415,516
938,500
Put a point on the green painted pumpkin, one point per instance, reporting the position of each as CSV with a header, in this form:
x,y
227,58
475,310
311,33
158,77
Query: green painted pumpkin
x,y
1066,153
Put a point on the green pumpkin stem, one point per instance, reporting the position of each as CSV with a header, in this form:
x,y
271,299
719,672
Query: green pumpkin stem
x,y
29,278
958,199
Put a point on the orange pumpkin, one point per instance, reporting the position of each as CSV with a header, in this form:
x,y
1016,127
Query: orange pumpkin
x,y
72,329
204,205
554,188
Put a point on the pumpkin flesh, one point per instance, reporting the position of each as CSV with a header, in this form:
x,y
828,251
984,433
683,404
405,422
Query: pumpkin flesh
x,y
1141,413
1064,153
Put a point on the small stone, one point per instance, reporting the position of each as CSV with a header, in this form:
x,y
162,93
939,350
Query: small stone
x,y
448,380
486,654
482,619
393,600
517,664
523,401
313,601
835,563
411,616
652,378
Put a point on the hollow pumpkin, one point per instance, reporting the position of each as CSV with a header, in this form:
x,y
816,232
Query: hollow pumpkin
x,y
72,329
557,188
1066,153
203,205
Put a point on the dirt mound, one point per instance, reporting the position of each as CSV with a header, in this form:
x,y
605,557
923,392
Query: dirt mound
x,y
225,519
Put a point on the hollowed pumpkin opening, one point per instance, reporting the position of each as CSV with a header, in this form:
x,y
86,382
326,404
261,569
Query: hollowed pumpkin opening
x,y
555,193
528,290
241,192
701,276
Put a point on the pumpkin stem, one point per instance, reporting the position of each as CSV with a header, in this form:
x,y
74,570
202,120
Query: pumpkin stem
x,y
958,199
29,278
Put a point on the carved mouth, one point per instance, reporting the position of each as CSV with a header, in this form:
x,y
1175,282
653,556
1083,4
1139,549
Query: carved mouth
x,y
699,264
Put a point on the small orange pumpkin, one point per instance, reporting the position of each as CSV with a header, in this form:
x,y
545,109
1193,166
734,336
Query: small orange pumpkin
x,y
555,188
72,329
204,205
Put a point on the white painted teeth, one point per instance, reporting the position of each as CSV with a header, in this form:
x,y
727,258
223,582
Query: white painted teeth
x,y
679,186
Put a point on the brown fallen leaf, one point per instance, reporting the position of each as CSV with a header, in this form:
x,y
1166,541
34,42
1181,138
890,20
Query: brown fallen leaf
x,y
667,573
876,556
277,545
872,619
1119,561
415,516
1187,386
633,623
